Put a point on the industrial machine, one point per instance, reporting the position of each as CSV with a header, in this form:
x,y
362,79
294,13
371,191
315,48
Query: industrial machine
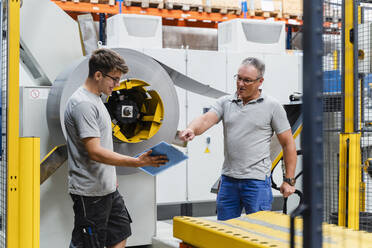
x,y
164,90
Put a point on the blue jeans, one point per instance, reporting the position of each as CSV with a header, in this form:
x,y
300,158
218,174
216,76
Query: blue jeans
x,y
234,194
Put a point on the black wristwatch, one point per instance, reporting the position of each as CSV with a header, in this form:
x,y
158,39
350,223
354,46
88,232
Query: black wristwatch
x,y
290,181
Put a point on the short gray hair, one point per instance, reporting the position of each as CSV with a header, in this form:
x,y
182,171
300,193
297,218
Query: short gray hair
x,y
256,63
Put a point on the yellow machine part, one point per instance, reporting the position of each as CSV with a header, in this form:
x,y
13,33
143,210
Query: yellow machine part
x,y
280,155
261,229
153,107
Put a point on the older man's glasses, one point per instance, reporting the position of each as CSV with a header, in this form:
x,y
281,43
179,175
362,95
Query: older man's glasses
x,y
245,80
115,79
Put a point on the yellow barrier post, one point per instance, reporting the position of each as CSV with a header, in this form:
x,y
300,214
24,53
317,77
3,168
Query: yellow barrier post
x,y
342,180
350,157
354,181
23,154
13,125
29,192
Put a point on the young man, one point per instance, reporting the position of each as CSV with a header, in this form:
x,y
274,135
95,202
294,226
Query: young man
x,y
249,119
101,218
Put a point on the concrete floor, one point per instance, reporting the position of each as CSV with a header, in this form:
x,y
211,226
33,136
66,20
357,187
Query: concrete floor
x,y
164,237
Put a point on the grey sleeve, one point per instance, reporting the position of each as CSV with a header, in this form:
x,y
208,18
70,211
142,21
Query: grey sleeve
x,y
85,117
217,107
279,120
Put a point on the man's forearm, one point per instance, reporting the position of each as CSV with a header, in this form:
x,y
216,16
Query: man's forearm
x,y
203,123
290,160
106,156
197,126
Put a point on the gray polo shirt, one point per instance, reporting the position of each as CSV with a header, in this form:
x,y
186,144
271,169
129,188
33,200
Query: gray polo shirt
x,y
247,134
86,116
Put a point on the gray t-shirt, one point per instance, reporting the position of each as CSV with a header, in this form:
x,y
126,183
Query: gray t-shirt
x,y
86,116
247,134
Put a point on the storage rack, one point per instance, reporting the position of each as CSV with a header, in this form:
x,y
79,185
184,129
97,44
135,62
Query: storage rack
x,y
172,17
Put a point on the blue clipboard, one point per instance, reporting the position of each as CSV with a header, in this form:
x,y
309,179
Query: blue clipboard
x,y
174,155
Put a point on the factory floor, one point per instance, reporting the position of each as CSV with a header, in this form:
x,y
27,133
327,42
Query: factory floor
x,y
164,237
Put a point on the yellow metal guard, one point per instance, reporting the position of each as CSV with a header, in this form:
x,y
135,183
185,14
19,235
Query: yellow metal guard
x,y
354,181
23,154
350,157
261,229
13,206
349,69
342,181
29,192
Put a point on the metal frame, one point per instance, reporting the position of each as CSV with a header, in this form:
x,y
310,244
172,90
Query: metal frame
x,y
13,206
349,180
349,68
342,196
3,170
29,193
312,141
356,15
355,65
23,179
350,154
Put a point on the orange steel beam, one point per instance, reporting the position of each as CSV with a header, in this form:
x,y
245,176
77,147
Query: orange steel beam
x,y
88,7
165,21
188,23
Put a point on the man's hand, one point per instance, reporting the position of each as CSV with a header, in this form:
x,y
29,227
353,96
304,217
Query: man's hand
x,y
147,160
287,189
187,135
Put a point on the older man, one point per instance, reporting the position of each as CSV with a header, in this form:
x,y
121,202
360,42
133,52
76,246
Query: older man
x,y
249,118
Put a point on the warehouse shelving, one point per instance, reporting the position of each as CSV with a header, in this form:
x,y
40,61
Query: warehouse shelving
x,y
171,17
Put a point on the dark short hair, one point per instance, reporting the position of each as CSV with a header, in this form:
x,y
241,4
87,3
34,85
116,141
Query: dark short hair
x,y
106,60
256,63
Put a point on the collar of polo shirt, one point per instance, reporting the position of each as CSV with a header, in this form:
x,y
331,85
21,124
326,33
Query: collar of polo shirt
x,y
239,101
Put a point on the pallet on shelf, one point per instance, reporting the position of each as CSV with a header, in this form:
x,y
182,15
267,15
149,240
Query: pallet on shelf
x,y
185,5
265,8
296,16
332,12
293,9
266,14
145,3
222,6
110,2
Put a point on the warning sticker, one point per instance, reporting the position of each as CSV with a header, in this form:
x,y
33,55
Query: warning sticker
x,y
36,94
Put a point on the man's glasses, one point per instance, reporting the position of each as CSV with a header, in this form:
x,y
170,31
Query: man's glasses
x,y
245,80
115,79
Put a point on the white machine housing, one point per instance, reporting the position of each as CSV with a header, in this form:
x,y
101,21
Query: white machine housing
x,y
251,36
45,61
134,31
